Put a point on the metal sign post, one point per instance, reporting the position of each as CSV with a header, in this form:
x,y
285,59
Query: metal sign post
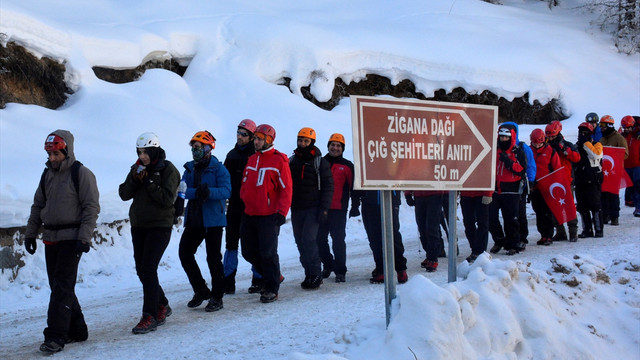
x,y
386,214
453,235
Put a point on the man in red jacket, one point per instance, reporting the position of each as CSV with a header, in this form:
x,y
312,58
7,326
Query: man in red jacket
x,y
342,172
569,156
506,198
547,161
266,193
631,132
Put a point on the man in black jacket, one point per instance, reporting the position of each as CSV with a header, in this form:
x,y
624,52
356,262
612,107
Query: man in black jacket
x,y
312,193
235,163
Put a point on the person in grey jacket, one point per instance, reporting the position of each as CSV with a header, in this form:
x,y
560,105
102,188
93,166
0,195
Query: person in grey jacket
x,y
67,203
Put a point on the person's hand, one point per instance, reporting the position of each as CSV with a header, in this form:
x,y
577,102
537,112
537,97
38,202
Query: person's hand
x,y
506,160
279,219
411,201
354,212
139,173
82,247
202,192
30,245
323,217
486,200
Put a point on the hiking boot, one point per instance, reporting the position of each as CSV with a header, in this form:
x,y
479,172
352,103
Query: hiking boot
x,y
585,234
214,305
314,282
521,246
402,277
424,262
198,298
614,221
340,278
498,244
471,258
512,252
573,239
559,237
636,213
377,277
229,283
51,346
326,273
598,234
431,266
268,297
605,219
256,286
163,312
305,283
147,324
545,241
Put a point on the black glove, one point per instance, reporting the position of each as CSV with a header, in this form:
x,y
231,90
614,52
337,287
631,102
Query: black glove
x,y
139,173
82,247
354,212
30,245
202,192
410,200
279,219
323,217
505,159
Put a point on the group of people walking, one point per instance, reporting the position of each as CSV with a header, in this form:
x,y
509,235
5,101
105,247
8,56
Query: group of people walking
x,y
249,196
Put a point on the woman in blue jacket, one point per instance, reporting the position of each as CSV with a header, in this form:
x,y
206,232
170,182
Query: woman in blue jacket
x,y
208,186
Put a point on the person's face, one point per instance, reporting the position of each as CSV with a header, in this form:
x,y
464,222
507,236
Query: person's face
x,y
259,142
242,137
144,156
303,142
550,138
537,145
56,158
504,138
335,149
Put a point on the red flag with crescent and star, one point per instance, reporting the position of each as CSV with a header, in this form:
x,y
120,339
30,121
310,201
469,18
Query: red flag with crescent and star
x,y
615,177
556,191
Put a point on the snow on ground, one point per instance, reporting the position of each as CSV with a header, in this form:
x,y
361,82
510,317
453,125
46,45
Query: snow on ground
x,y
526,306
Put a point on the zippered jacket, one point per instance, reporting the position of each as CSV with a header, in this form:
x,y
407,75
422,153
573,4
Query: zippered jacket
x,y
266,184
67,214
217,178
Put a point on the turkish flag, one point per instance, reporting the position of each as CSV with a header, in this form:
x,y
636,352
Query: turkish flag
x,y
615,177
556,191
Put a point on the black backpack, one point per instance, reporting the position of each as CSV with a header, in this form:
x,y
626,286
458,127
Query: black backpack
x,y
75,177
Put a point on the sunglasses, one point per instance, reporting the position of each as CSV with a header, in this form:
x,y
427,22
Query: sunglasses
x,y
242,133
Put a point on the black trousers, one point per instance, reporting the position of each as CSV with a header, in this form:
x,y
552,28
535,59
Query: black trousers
x,y
544,216
191,239
372,221
611,205
232,230
475,217
259,243
64,317
305,231
509,205
428,211
336,227
149,245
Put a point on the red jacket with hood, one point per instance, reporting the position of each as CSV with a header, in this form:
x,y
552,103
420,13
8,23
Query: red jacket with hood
x,y
508,178
266,184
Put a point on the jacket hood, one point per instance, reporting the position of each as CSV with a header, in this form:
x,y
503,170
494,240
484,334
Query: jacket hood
x,y
513,126
71,156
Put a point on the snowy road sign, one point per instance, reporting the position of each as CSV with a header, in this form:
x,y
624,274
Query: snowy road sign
x,y
423,145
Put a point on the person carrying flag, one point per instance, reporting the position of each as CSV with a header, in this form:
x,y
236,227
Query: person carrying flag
x,y
610,137
547,161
